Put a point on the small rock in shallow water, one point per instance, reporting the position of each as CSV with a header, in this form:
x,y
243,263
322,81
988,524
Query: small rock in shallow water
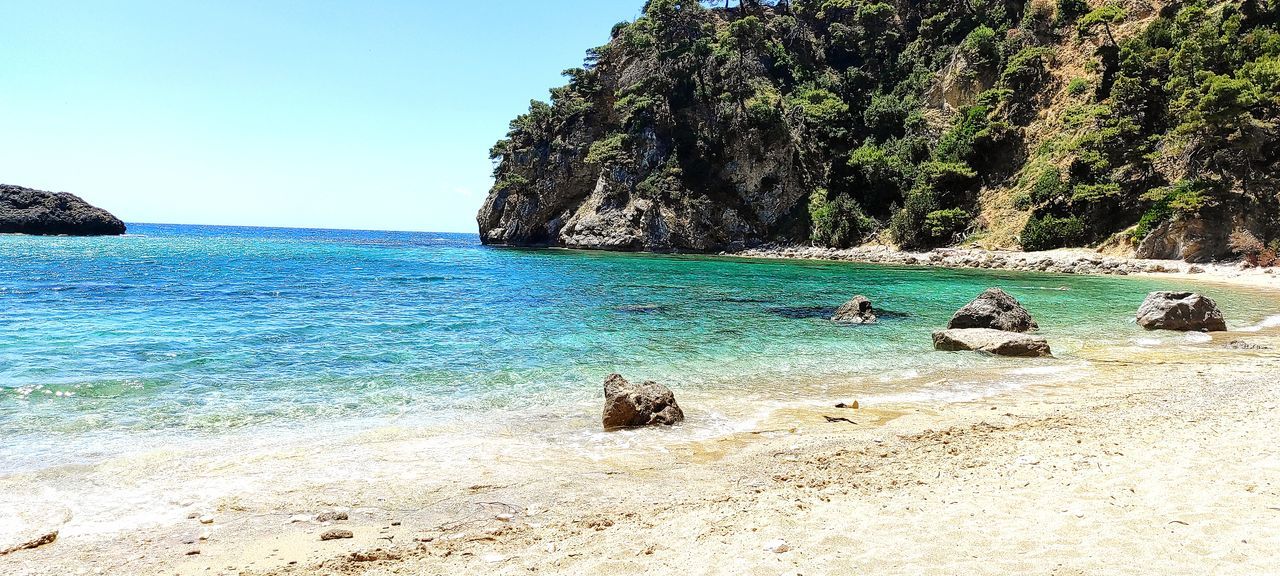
x,y
856,311
995,342
1180,311
1246,345
336,534
628,405
994,309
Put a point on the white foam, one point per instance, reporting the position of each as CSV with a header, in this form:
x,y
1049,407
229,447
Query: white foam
x,y
1269,322
1198,338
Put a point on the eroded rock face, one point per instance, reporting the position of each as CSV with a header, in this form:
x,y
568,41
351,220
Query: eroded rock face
x,y
628,405
997,342
855,311
1182,311
28,211
994,309
1193,240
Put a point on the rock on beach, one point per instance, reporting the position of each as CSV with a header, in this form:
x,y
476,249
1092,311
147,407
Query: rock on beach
x,y
998,342
628,405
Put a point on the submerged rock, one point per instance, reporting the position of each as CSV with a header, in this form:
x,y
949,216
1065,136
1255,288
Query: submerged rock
x,y
1246,345
628,405
1181,311
27,211
999,342
994,309
856,311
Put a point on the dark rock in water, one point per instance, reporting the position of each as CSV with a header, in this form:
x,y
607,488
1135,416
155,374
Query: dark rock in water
x,y
999,342
27,211
336,534
803,312
1181,311
641,308
994,309
856,311
628,405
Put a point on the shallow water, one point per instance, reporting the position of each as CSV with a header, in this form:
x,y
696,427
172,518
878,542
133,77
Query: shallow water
x,y
181,335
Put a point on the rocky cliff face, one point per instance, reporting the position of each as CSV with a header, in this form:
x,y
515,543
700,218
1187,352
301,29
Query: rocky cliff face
x,y
1034,124
27,211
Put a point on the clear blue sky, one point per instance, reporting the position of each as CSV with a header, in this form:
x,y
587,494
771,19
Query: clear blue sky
x,y
355,114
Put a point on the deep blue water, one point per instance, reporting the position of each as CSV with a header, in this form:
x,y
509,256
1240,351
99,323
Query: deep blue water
x,y
184,331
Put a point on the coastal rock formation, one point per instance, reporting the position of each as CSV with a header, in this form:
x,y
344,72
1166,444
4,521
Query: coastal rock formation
x,y
855,311
1182,311
997,342
706,128
628,405
28,211
994,309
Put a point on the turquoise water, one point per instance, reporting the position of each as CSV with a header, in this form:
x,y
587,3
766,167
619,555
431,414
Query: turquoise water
x,y
178,332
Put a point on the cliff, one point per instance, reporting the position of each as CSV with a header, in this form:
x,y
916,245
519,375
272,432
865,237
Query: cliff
x,y
1137,126
27,211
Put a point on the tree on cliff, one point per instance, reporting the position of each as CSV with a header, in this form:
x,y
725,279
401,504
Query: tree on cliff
x,y
710,125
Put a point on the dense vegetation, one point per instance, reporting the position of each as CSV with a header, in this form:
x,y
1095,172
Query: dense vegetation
x,y
924,122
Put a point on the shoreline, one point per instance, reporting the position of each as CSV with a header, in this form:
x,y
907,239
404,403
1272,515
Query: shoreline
x,y
1080,261
995,477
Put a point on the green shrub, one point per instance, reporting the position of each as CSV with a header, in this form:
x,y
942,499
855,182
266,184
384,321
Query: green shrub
x,y
838,222
606,151
1071,10
1048,186
945,225
980,48
1077,87
1049,232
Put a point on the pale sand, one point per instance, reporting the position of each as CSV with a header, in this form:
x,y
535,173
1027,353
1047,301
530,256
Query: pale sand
x,y
1159,460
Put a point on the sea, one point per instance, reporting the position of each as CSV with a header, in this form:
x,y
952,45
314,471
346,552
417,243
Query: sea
x,y
173,339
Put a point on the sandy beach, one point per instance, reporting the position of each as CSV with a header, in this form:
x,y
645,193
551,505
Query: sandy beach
x,y
1162,457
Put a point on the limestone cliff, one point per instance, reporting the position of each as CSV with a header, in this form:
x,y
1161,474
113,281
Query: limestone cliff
x,y
1143,126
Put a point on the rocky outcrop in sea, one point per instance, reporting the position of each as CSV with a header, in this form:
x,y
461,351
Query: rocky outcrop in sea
x,y
28,211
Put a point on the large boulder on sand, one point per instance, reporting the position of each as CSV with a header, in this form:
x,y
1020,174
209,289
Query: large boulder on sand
x,y
628,405
1185,311
997,342
994,309
856,311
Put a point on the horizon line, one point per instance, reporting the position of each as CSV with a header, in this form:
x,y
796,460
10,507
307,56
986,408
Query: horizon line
x,y
128,224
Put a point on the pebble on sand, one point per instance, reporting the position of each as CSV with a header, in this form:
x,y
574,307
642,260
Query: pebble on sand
x,y
206,519
331,516
336,534
776,546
